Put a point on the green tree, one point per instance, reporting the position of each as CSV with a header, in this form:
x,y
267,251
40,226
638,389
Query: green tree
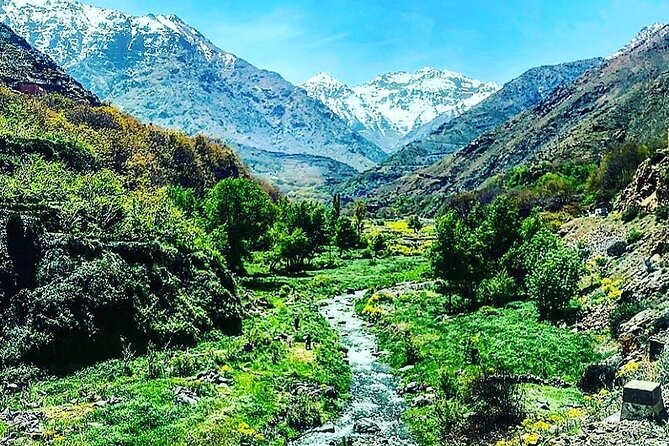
x,y
345,235
359,214
456,256
238,212
415,223
553,281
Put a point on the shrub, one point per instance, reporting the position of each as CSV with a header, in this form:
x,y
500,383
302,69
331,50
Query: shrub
x,y
629,214
497,290
623,313
553,282
662,213
617,249
633,236
496,403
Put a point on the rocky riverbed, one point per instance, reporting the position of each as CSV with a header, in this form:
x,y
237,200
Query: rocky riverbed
x,y
374,412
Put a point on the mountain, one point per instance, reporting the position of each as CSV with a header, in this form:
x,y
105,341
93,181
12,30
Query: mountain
x,y
390,107
624,100
444,136
164,71
24,68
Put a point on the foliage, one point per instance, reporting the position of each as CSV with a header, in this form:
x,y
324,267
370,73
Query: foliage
x,y
617,169
345,234
237,212
492,257
623,313
553,281
414,223
359,214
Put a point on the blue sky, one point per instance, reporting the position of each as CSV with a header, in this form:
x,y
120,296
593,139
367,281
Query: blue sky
x,y
357,40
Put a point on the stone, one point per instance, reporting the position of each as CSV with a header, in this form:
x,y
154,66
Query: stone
x,y
655,347
413,388
642,400
424,400
327,428
406,368
543,405
366,426
186,396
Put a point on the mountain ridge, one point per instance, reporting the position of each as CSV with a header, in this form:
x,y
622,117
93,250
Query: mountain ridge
x,y
622,101
389,107
450,135
165,72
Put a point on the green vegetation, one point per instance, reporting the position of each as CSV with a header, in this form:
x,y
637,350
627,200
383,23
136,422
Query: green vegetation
x,y
454,355
492,257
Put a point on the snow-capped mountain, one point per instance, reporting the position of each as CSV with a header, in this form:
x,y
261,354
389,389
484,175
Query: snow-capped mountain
x,y
391,106
642,36
164,71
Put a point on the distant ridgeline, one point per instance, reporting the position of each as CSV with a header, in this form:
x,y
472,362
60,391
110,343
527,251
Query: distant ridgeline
x,y
94,254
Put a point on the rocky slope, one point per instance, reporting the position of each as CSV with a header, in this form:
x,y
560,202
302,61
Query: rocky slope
x,y
391,107
24,68
624,100
165,72
444,136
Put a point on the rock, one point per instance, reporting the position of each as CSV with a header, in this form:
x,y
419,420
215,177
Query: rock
x,y
331,392
213,377
543,405
413,388
406,368
183,395
99,403
642,400
656,346
327,428
366,426
424,400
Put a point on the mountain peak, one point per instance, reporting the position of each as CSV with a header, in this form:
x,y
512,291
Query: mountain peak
x,y
642,36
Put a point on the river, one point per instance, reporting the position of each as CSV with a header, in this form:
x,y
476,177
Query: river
x,y
373,414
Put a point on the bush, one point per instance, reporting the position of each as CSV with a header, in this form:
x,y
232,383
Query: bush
x,y
662,213
623,313
497,290
496,403
633,236
553,282
617,249
629,214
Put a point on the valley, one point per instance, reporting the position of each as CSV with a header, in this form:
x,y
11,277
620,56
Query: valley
x,y
195,251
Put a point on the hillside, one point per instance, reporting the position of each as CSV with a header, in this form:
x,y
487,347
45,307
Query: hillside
x,y
91,241
444,136
163,71
391,107
21,67
624,100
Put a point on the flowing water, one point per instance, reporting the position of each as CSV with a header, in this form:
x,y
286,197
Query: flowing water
x,y
373,414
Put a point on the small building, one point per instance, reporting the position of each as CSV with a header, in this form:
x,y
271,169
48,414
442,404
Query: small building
x,y
31,89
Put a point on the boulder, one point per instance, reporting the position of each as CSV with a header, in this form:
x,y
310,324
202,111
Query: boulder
x,y
642,400
424,400
366,426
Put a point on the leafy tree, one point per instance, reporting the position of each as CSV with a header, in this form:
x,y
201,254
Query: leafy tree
x,y
300,230
359,214
415,223
553,281
616,170
335,209
345,235
238,212
456,255
377,243
291,248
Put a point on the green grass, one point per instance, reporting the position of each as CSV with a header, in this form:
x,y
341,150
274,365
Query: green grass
x,y
414,329
258,408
